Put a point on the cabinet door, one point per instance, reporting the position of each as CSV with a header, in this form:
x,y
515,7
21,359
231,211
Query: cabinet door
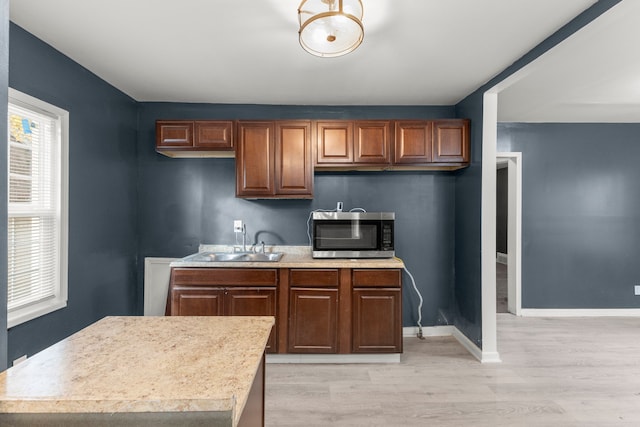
x,y
255,159
377,311
313,320
451,141
335,142
252,301
174,134
293,159
196,301
413,142
217,135
372,142
377,317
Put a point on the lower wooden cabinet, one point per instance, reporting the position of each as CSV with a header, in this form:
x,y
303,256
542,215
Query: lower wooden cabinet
x,y
224,292
313,311
313,320
376,317
377,311
196,301
319,311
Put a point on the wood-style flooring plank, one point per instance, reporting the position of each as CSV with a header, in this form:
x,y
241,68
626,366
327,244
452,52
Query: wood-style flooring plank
x,y
555,372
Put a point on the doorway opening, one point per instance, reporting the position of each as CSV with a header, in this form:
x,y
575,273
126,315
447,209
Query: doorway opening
x,y
509,233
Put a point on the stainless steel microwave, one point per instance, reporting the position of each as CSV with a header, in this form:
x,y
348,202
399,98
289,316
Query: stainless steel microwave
x,y
353,234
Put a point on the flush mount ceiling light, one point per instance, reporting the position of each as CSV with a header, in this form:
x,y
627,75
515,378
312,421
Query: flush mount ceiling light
x,y
330,28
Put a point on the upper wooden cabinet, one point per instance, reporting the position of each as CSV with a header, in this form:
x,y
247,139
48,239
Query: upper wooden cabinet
x,y
274,160
174,134
195,138
372,142
294,159
214,134
335,142
344,142
255,154
451,141
277,158
384,144
432,142
413,140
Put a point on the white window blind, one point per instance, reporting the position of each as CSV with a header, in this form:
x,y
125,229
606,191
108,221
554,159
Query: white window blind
x,y
36,280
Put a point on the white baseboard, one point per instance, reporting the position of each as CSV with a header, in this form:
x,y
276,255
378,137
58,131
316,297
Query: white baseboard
x,y
428,331
580,312
502,258
482,356
450,330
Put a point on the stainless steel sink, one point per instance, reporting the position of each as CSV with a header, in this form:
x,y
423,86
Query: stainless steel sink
x,y
233,257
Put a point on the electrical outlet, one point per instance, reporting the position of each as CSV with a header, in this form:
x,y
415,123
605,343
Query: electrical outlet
x,y
636,289
237,226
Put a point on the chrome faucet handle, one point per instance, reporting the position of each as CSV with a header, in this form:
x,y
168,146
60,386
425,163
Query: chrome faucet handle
x,y
262,244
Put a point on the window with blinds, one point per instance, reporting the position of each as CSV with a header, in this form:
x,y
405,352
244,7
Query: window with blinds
x,y
36,229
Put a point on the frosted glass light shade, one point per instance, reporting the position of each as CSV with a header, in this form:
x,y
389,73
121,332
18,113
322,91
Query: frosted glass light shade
x,y
330,28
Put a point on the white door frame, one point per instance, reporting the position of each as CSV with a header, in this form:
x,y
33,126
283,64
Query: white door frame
x,y
514,230
488,212
488,228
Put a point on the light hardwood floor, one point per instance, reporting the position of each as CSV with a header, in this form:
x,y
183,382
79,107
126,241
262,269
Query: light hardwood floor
x,y
555,372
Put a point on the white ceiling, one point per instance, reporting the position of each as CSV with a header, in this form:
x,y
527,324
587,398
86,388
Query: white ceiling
x,y
593,76
415,52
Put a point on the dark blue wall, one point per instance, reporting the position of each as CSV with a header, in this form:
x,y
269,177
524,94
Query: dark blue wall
x,y
580,213
468,285
102,190
4,81
185,202
467,310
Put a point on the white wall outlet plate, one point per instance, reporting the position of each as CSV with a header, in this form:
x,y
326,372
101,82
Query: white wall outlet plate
x,y
237,226
636,289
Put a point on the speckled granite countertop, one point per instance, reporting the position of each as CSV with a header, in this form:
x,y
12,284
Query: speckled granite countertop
x,y
294,257
142,364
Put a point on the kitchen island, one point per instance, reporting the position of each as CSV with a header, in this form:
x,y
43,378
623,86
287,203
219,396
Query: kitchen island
x,y
146,371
